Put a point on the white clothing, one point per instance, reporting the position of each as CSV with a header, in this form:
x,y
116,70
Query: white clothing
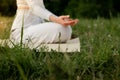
x,y
36,29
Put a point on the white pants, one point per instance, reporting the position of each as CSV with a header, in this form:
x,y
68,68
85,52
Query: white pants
x,y
48,32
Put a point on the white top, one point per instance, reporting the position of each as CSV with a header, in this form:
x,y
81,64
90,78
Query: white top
x,y
34,15
33,12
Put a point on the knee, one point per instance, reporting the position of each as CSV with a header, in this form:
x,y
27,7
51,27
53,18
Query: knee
x,y
64,32
60,27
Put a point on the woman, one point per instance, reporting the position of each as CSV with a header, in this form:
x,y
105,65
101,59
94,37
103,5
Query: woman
x,y
32,15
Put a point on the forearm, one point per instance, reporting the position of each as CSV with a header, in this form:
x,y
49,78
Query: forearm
x,y
53,18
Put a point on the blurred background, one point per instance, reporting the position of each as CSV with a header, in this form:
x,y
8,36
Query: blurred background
x,y
76,8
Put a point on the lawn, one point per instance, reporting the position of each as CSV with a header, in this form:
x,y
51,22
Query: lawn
x,y
99,58
5,25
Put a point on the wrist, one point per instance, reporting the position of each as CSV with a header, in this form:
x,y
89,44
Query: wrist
x,y
53,18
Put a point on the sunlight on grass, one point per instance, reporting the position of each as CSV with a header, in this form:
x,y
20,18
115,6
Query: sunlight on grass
x,y
5,25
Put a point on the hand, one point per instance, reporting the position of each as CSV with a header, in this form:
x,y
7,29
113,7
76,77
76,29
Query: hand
x,y
64,20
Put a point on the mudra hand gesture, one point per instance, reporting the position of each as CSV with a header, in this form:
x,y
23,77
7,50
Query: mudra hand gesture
x,y
64,20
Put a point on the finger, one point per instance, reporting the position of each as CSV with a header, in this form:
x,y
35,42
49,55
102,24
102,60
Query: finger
x,y
76,21
65,17
67,23
68,19
71,22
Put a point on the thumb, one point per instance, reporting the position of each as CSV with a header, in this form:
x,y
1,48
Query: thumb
x,y
65,17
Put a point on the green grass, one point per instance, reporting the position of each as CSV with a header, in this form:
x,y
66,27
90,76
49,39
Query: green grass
x,y
5,25
99,58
